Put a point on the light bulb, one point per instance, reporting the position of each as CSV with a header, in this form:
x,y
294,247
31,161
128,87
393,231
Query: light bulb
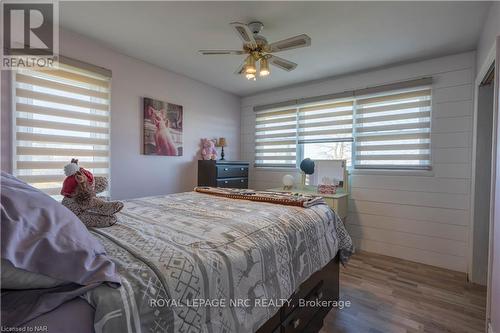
x,y
264,67
250,76
250,65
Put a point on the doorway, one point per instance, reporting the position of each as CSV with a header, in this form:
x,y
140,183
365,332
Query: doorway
x,y
482,183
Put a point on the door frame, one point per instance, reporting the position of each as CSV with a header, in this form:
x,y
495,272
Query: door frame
x,y
490,59
494,157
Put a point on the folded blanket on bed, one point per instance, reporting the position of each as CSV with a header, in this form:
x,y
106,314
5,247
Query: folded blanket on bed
x,y
281,198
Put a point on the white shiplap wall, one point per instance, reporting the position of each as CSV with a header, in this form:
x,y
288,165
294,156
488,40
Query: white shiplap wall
x,y
419,216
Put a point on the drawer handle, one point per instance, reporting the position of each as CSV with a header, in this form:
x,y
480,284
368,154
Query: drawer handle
x,y
225,169
225,182
242,181
242,169
296,323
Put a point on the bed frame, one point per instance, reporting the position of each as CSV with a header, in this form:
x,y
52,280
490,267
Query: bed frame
x,y
322,285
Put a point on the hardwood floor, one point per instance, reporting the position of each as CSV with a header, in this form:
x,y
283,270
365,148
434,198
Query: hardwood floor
x,y
390,295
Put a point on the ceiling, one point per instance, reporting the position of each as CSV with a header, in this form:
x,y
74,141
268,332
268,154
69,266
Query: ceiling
x,y
346,36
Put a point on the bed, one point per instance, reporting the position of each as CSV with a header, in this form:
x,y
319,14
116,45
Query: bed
x,y
194,262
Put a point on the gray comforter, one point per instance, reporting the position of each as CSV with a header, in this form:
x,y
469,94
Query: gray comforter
x,y
193,262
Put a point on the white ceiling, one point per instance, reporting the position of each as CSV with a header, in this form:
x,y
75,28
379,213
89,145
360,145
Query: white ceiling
x,y
346,36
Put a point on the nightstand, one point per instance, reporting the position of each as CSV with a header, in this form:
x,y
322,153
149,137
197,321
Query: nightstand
x,y
338,201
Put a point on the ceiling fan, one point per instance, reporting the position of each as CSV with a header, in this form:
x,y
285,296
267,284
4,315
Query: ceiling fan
x,y
258,50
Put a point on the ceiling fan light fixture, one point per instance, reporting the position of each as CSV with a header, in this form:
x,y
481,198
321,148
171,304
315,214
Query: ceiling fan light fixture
x,y
264,67
257,50
250,65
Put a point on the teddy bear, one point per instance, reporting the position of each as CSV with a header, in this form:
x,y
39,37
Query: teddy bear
x,y
208,151
79,191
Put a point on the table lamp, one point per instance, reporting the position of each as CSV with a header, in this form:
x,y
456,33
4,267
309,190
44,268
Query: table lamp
x,y
222,143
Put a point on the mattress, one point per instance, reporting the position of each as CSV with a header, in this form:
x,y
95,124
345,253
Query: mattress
x,y
63,319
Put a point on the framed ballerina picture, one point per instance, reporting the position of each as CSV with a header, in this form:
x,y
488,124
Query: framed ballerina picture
x,y
162,128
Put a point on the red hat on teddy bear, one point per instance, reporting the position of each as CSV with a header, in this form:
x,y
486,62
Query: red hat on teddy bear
x,y
73,173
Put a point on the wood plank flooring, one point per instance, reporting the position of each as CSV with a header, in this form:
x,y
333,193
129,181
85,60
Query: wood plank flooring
x,y
390,295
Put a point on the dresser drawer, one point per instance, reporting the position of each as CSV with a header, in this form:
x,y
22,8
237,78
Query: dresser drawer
x,y
298,319
233,182
232,171
223,173
305,291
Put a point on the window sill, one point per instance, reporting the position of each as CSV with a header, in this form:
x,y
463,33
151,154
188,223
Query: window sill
x,y
277,169
390,172
352,171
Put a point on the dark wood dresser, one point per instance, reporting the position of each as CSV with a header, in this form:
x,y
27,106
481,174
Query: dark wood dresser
x,y
219,173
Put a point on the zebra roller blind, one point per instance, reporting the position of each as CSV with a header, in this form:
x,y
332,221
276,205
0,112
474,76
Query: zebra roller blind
x,y
393,129
59,114
276,138
390,126
328,122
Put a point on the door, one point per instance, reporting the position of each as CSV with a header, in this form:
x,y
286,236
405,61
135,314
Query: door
x,y
482,179
493,310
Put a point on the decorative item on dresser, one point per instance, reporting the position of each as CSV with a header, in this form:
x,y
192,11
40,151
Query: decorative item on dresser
x,y
208,151
334,190
288,181
307,168
222,143
222,173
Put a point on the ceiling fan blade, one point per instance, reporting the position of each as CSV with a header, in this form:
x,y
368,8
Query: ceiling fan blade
x,y
281,63
217,52
290,43
245,34
241,68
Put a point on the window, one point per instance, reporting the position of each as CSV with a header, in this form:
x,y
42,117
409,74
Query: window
x,y
325,130
60,114
393,130
328,151
373,128
276,138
